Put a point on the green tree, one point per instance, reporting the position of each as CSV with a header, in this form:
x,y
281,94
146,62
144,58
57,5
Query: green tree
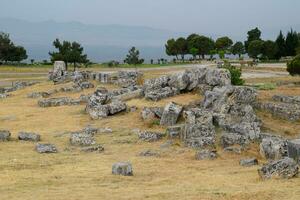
x,y
69,53
203,44
182,47
280,41
194,52
253,35
133,57
255,48
238,49
191,46
10,52
171,48
270,49
291,43
223,44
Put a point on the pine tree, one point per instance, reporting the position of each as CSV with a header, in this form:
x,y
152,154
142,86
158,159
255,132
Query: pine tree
x,y
291,43
280,41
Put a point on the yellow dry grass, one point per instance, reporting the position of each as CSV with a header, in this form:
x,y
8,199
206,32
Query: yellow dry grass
x,y
70,174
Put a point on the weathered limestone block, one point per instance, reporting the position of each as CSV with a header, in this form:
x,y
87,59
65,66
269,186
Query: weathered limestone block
x,y
94,148
171,114
199,130
273,148
218,77
285,168
293,147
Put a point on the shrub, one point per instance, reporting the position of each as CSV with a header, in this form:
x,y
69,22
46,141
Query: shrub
x,y
235,74
113,63
293,67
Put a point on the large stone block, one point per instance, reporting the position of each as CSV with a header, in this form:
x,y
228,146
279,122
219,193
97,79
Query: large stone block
x,y
170,114
293,148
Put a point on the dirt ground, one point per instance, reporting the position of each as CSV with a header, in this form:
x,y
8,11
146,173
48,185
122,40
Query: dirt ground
x,y
71,174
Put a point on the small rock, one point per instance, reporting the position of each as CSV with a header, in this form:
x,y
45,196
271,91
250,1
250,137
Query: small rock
x,y
248,162
149,136
273,148
122,168
96,148
174,131
4,135
46,148
148,153
29,136
237,150
285,168
206,155
80,139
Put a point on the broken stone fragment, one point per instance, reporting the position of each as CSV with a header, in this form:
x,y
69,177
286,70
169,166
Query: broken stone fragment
x,y
248,162
4,135
206,155
29,136
122,168
171,114
285,168
46,148
80,139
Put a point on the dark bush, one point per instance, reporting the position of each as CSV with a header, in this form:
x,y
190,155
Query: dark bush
x,y
293,67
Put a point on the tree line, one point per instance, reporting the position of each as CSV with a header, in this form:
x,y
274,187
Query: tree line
x,y
200,46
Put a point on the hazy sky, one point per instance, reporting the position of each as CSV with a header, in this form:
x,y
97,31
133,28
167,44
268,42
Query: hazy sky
x,y
203,16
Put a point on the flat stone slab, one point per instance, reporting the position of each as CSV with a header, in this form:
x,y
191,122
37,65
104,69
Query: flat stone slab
x,y
46,148
25,136
248,162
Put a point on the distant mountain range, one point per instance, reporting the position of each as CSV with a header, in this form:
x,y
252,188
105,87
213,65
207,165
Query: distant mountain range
x,y
101,42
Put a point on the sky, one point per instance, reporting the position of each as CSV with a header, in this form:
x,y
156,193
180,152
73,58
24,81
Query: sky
x,y
207,16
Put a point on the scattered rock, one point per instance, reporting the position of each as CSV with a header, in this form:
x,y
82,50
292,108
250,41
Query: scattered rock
x,y
170,114
287,99
122,168
80,139
29,136
248,162
62,101
206,155
4,135
35,95
46,148
285,168
149,136
95,148
233,149
148,153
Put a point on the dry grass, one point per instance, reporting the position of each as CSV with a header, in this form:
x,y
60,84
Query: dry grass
x,y
70,174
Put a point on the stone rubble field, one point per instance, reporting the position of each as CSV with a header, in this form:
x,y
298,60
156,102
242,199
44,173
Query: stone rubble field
x,y
188,134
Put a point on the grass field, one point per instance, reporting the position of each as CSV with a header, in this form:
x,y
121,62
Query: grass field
x,y
71,174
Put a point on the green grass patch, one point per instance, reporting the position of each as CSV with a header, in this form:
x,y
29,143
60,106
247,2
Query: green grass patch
x,y
265,86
